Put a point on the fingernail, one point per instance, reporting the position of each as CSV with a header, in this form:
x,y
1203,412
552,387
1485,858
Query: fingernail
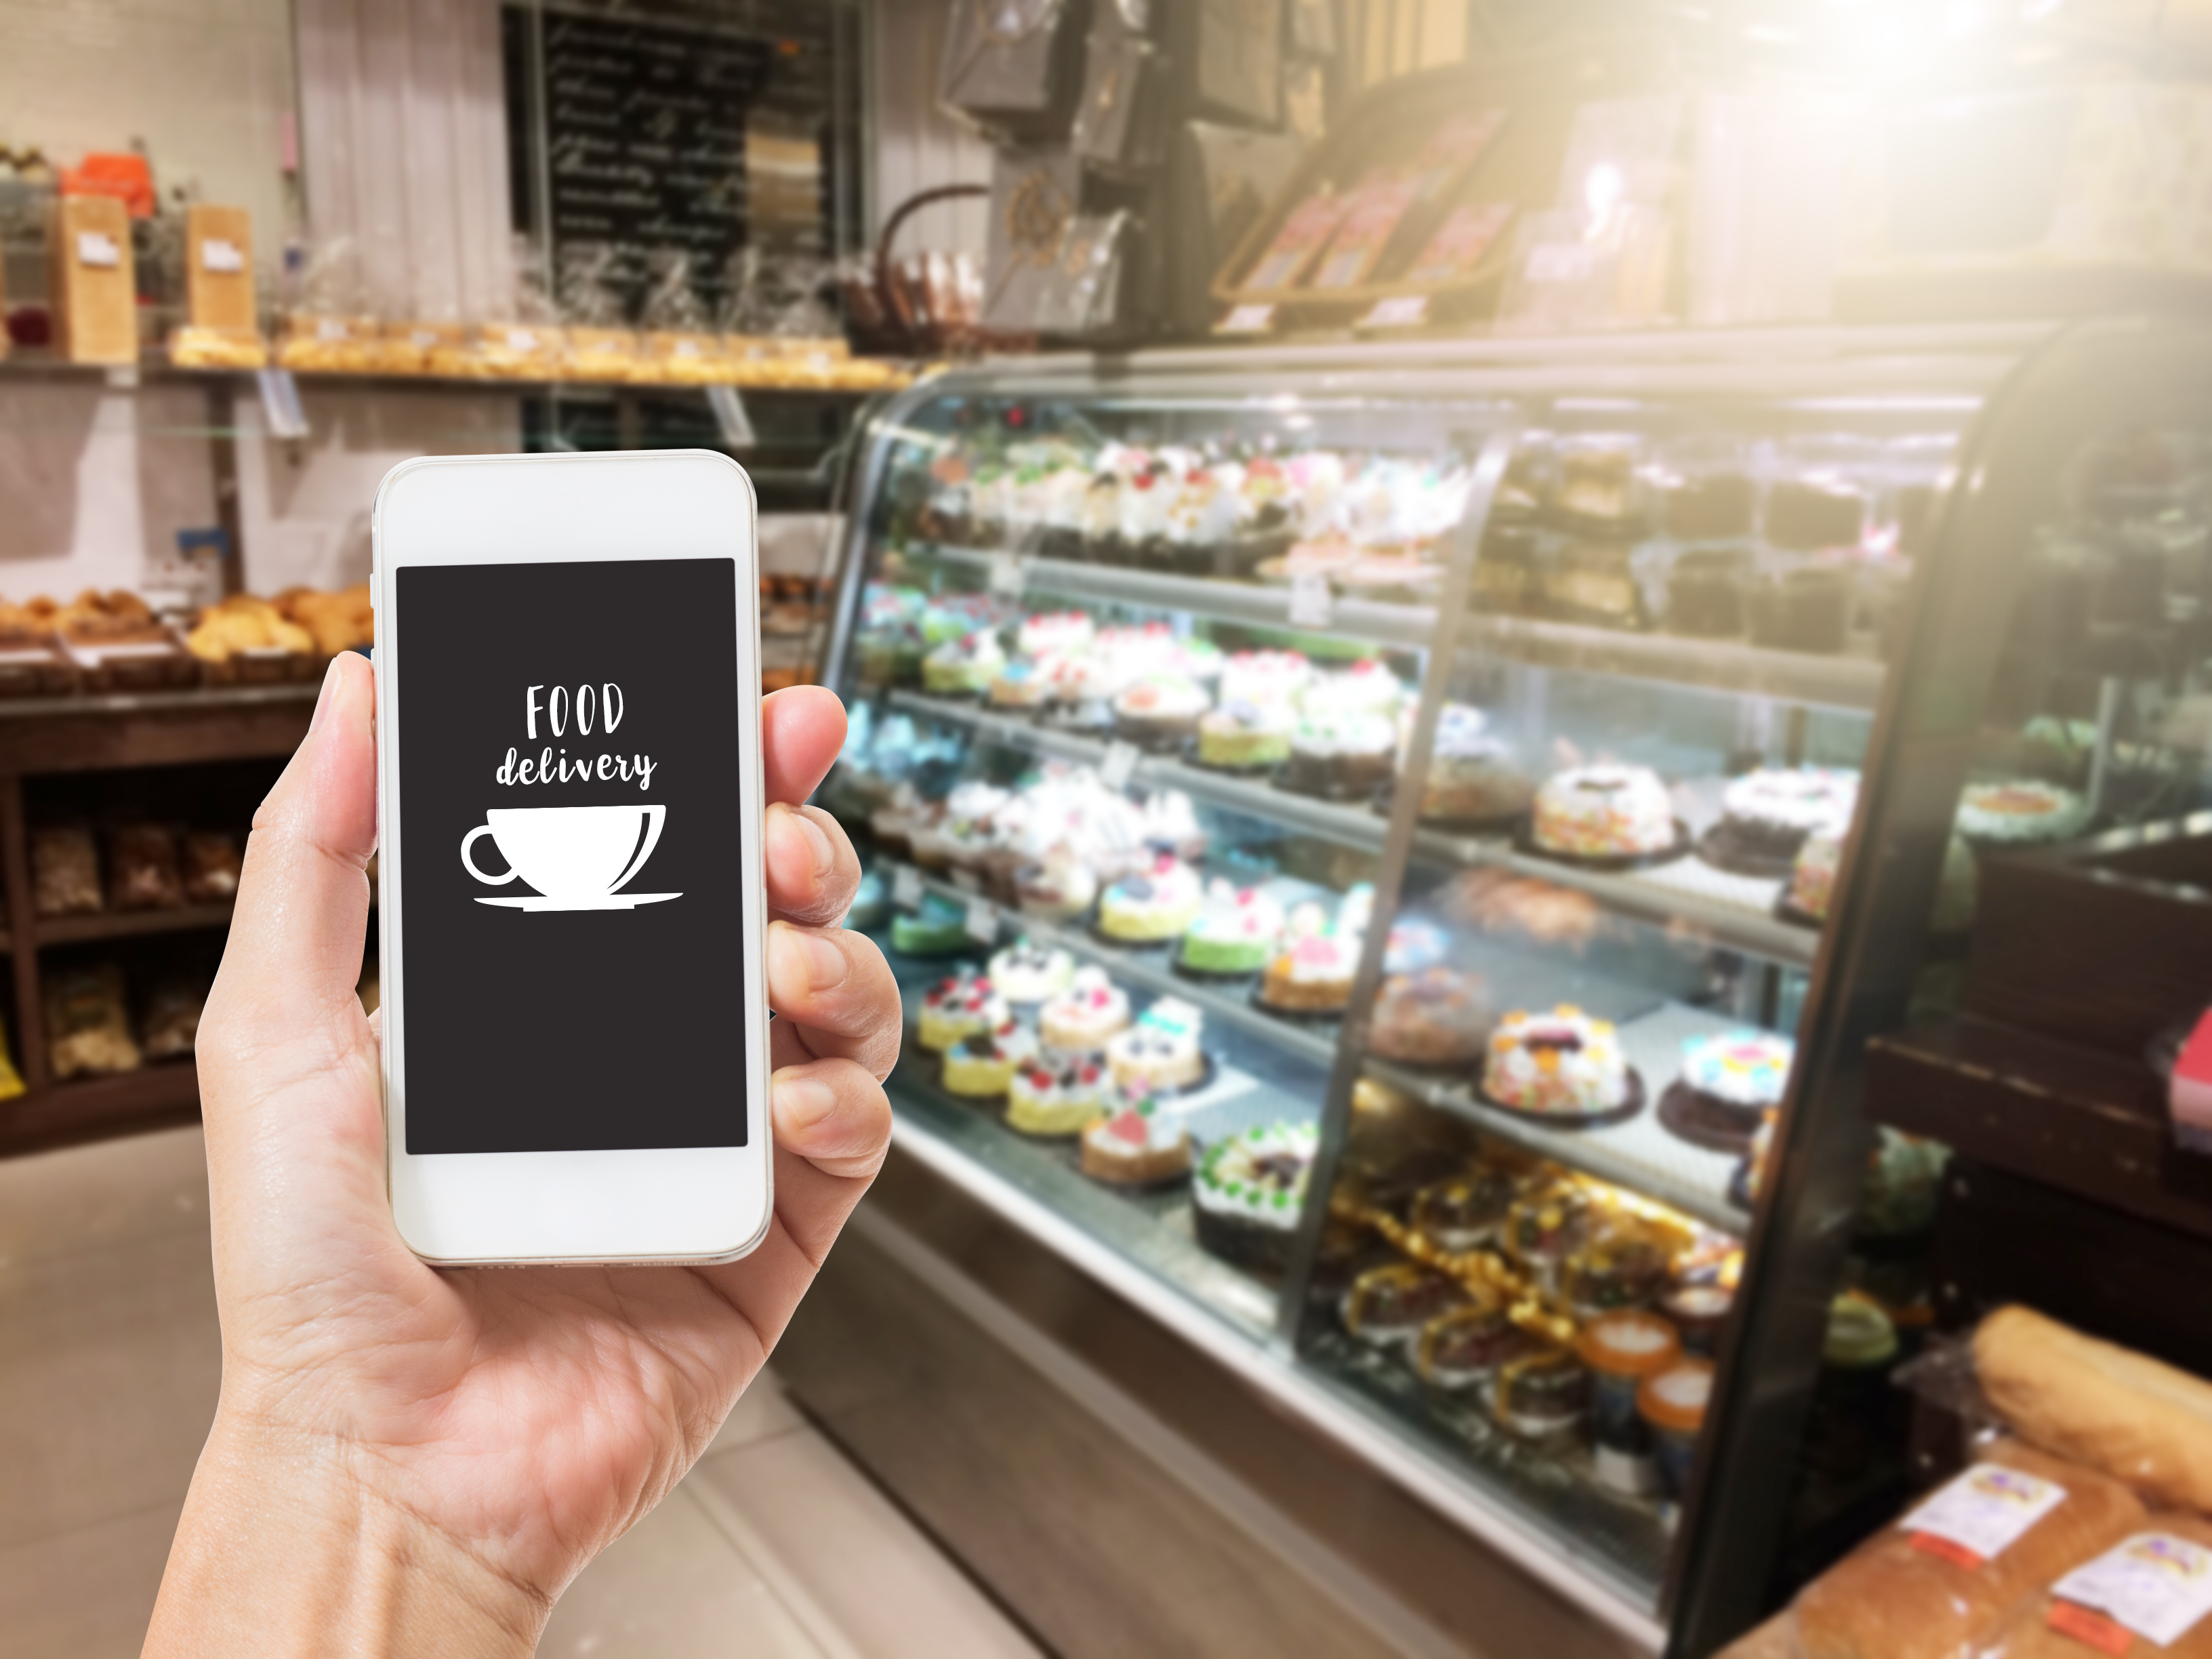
x,y
804,1102
825,963
322,702
817,841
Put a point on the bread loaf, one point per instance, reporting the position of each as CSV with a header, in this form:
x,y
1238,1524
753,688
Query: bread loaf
x,y
2030,1633
1892,1599
2114,1410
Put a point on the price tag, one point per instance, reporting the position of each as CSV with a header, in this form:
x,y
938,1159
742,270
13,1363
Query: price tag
x,y
982,921
1247,319
1007,575
1312,604
1399,311
905,887
96,248
221,256
1121,760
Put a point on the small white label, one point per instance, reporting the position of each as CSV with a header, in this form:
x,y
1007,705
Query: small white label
x,y
331,328
1312,604
982,921
905,887
1247,320
1399,311
521,339
1121,760
1007,576
95,247
1986,1510
222,255
2157,1585
687,348
1561,262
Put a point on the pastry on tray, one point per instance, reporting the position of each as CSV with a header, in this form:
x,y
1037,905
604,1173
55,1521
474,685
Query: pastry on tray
x,y
1464,1213
958,1007
1604,811
1161,1051
1247,1193
1052,1095
1135,1145
1542,1396
1387,1306
1437,1017
1562,1063
1081,1018
1233,933
1464,1347
1152,907
1766,816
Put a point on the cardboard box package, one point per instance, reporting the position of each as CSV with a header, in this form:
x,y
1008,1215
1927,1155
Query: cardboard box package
x,y
94,286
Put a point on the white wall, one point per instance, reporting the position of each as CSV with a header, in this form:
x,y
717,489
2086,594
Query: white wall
x,y
917,145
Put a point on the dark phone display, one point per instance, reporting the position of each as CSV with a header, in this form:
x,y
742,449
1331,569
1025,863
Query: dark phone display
x,y
570,817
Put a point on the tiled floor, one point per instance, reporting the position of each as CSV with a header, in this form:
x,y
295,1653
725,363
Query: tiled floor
x,y
774,1546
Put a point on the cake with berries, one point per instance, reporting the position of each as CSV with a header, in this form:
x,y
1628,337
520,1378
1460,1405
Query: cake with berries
x,y
958,1007
1153,906
1026,974
1233,933
1082,1017
1161,1051
1052,1094
1135,1144
1248,1191
982,1066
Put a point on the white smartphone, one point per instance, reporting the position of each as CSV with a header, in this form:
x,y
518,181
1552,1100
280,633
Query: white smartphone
x,y
568,807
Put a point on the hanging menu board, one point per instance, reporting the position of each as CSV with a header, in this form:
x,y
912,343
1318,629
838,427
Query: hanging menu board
x,y
648,122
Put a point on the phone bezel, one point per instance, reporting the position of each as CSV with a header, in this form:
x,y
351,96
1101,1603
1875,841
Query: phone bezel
x,y
675,1205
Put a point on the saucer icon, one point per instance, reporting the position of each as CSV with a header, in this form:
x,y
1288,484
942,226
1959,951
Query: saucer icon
x,y
578,858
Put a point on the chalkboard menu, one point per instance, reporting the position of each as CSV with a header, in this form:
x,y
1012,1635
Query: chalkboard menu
x,y
645,117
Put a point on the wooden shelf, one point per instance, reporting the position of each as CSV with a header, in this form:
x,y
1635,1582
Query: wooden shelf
x,y
86,1109
2085,1120
127,924
156,367
153,728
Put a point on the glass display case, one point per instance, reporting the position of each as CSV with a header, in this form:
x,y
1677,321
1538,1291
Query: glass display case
x,y
1358,829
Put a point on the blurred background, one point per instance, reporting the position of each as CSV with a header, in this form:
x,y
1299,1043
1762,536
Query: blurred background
x,y
1531,723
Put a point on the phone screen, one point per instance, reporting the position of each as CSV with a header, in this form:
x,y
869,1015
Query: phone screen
x,y
570,751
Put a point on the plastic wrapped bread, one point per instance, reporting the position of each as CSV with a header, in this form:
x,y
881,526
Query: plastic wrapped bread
x,y
2108,1408
2150,1592
1922,1589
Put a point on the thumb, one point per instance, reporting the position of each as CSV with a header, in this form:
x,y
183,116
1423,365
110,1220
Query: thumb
x,y
286,986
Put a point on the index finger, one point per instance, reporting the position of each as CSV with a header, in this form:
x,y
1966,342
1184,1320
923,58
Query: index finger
x,y
802,729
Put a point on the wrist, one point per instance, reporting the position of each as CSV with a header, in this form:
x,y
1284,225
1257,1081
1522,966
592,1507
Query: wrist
x,y
287,1545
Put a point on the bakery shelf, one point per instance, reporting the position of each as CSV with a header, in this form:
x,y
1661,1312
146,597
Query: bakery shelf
x,y
156,367
1253,602
193,699
1687,897
1725,666
1147,968
128,924
165,1091
1640,1154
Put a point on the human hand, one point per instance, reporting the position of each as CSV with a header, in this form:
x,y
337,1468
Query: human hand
x,y
406,1458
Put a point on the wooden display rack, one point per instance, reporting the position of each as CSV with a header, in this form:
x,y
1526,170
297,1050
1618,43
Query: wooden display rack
x,y
107,733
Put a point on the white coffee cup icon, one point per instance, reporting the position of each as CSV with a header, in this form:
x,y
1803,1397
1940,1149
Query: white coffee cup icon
x,y
576,856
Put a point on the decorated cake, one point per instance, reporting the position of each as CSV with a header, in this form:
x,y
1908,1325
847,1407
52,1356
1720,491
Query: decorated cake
x,y
958,1007
1056,1095
1135,1144
1542,1396
963,666
1058,886
1562,1062
1472,777
1160,708
1245,736
1766,816
1026,974
1437,1017
1604,811
1247,1193
1233,933
1270,678
1021,684
1313,975
1156,905
1161,1051
982,1066
1052,632
938,928
1741,1073
1082,1017
1340,753
2022,810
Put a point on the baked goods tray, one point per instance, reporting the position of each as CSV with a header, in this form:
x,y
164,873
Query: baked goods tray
x,y
1222,600
1685,893
1639,1154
